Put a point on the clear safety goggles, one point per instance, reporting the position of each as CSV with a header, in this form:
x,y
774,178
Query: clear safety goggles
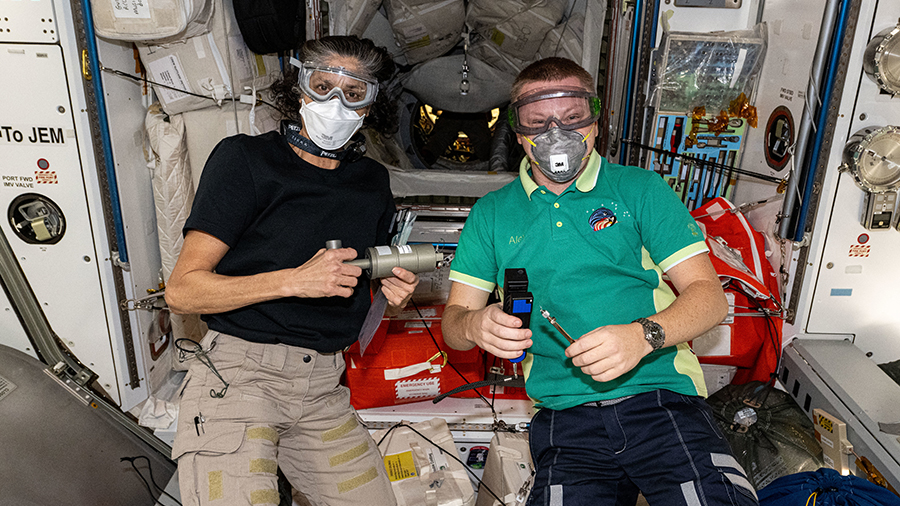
x,y
568,108
323,83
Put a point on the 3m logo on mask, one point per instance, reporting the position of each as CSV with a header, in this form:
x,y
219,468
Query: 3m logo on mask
x,y
559,163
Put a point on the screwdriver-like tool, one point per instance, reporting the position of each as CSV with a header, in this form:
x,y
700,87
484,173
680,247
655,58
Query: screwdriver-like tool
x,y
552,320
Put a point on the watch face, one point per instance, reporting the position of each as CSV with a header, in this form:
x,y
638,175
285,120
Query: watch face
x,y
656,337
653,333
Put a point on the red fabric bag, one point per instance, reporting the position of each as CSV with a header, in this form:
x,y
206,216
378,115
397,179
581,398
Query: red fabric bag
x,y
750,337
403,364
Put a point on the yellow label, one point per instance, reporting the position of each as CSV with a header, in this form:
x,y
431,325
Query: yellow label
x,y
419,43
497,37
826,424
260,66
400,466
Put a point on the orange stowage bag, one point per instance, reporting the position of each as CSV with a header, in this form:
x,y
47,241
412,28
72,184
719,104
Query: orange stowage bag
x,y
404,364
750,338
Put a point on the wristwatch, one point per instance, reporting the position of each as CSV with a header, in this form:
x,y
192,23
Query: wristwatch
x,y
653,333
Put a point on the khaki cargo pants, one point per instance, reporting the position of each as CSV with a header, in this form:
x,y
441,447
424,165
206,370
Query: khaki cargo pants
x,y
285,408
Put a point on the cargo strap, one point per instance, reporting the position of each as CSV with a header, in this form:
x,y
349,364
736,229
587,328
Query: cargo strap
x,y
410,370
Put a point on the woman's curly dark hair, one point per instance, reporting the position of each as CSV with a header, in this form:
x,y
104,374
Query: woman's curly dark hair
x,y
375,61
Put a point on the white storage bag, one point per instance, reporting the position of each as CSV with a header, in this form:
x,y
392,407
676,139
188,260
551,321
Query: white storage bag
x,y
490,53
416,465
351,17
517,27
565,40
204,128
426,30
379,31
173,196
218,65
507,469
151,20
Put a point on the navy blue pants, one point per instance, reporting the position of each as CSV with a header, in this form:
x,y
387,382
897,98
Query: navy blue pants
x,y
663,444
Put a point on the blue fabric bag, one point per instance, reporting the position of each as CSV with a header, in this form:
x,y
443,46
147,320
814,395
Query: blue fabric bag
x,y
825,487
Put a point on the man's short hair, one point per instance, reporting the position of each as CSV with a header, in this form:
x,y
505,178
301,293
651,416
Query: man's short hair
x,y
551,69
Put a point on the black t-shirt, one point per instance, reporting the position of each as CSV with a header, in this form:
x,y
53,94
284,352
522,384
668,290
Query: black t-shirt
x,y
275,211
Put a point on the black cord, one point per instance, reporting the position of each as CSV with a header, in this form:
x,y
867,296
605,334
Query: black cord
x,y
773,331
562,32
150,472
476,385
428,328
703,163
761,393
481,483
201,355
147,81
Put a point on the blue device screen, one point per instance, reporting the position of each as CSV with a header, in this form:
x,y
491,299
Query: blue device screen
x,y
521,306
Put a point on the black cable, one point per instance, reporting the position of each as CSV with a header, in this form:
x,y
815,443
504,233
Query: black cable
x,y
563,32
478,384
428,328
147,81
762,392
481,483
150,472
773,331
200,354
770,325
703,163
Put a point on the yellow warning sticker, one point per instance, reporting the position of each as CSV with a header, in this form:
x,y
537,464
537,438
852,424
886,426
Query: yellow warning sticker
x,y
497,37
400,466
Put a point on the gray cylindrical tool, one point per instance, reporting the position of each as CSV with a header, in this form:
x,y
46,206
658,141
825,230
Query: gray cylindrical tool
x,y
380,260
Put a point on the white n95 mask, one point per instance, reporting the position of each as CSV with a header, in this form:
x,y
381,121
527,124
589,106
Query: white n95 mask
x,y
329,124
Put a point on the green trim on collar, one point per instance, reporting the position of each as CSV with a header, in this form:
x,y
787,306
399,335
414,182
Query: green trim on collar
x,y
588,178
585,182
528,184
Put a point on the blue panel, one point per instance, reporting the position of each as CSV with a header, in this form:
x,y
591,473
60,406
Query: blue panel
x,y
521,306
841,292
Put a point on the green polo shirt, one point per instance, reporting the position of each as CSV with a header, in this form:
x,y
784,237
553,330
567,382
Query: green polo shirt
x,y
595,256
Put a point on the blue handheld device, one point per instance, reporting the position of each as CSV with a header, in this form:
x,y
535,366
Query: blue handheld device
x,y
517,300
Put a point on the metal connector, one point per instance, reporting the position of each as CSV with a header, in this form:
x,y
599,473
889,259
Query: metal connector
x,y
552,320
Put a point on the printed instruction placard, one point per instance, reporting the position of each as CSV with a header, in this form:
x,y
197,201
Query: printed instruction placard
x,y
167,70
400,466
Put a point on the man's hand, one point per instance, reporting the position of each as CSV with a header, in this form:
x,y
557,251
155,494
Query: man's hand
x,y
608,352
497,333
399,288
467,322
324,275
